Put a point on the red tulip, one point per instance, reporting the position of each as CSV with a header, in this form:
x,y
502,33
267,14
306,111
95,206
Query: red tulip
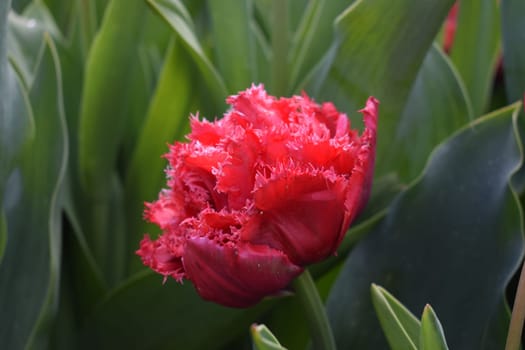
x,y
259,194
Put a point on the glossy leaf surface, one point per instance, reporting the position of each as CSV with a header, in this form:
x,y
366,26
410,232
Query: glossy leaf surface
x,y
513,27
460,211
476,49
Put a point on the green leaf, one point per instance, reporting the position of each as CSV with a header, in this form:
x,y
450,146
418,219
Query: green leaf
x,y
233,42
432,335
38,11
400,326
104,95
476,49
16,119
101,127
433,244
176,15
373,56
437,106
263,339
29,274
3,234
313,36
513,27
164,316
166,121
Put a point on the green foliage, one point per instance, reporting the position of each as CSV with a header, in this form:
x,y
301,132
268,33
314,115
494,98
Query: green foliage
x,y
93,91
402,329
263,339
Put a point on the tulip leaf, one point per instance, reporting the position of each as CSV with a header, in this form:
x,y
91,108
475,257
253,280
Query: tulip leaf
x,y
29,274
168,316
438,105
432,335
513,27
106,78
166,121
234,42
433,244
375,57
176,15
101,128
399,325
16,119
313,36
476,49
263,338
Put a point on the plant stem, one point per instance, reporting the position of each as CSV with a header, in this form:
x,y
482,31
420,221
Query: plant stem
x,y
280,47
308,295
518,316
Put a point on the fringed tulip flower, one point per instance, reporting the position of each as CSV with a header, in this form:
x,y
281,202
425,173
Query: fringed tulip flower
x,y
254,197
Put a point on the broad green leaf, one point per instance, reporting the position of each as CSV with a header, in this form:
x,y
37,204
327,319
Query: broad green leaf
x,y
3,234
104,94
437,106
377,53
433,244
30,271
476,48
513,28
432,336
176,15
401,328
24,45
313,36
63,11
16,119
101,127
262,52
164,316
233,40
165,122
263,339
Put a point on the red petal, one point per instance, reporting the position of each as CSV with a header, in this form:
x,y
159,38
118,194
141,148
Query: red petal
x,y
160,258
302,215
236,276
363,173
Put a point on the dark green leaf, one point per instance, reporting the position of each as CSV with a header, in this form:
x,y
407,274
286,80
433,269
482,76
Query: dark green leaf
x,y
433,245
437,106
476,49
432,336
401,328
104,94
513,27
378,55
102,124
29,274
164,316
176,15
313,36
233,40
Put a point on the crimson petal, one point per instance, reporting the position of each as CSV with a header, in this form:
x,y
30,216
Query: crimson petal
x,y
236,275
